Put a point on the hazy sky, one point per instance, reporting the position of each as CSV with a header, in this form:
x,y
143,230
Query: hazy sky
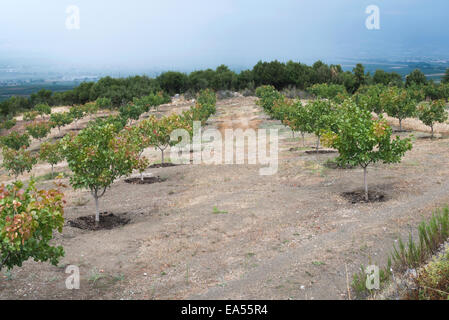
x,y
181,34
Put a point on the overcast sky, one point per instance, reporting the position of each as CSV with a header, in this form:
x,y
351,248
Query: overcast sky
x,y
202,33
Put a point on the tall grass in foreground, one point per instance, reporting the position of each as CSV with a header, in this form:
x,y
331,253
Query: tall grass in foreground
x,y
411,255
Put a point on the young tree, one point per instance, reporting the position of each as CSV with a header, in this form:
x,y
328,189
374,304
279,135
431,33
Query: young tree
x,y
162,128
18,161
361,141
327,91
369,97
15,140
28,219
98,156
76,113
131,111
397,103
43,109
322,117
300,120
104,103
60,119
39,130
51,153
267,96
432,112
30,115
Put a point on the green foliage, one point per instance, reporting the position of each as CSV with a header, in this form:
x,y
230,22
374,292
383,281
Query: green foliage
x,y
15,140
416,77
38,130
8,124
432,112
321,115
446,77
98,156
60,119
51,153
433,279
30,115
43,109
327,91
103,103
76,112
369,97
267,95
361,141
398,103
18,161
131,111
160,130
28,219
431,235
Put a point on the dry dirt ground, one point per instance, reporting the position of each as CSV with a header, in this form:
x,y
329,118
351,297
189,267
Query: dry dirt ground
x,y
226,232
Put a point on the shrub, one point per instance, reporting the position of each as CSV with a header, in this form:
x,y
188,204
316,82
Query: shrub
x,y
433,279
28,218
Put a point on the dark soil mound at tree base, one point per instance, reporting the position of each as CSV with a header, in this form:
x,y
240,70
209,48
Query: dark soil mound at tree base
x,y
108,221
359,196
162,165
401,131
323,151
146,180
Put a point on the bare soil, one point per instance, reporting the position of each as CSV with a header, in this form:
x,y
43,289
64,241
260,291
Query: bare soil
x,y
226,232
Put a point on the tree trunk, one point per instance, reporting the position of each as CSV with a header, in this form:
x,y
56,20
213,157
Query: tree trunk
x,y
162,150
303,139
52,171
97,212
400,125
317,144
141,176
365,181
431,127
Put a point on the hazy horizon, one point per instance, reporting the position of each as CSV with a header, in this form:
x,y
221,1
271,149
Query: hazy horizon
x,y
136,35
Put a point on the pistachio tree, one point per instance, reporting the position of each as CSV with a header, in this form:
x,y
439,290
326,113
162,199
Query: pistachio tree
x,y
398,103
28,220
16,162
98,156
362,141
39,130
51,153
432,112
